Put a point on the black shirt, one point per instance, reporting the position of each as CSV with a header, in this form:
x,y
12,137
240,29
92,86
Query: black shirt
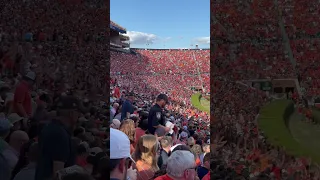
x,y
55,145
155,118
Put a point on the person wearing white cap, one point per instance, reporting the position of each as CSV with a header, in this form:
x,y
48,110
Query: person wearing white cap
x,y
120,156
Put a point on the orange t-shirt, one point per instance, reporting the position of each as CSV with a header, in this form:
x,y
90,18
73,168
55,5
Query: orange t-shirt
x,y
198,162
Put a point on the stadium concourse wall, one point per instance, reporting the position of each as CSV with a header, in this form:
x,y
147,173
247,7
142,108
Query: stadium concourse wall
x,y
195,101
273,121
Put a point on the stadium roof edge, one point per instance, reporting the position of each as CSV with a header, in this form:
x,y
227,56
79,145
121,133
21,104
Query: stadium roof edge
x,y
117,26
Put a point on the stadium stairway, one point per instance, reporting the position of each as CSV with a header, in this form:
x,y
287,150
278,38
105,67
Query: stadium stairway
x,y
285,35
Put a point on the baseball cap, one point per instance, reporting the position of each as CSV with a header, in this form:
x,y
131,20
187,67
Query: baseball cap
x,y
119,145
160,132
5,124
184,134
163,97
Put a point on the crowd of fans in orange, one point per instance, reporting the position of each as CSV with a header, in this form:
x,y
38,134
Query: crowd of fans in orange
x,y
259,40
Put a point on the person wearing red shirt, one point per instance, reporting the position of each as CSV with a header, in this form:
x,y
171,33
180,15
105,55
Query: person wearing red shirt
x,y
117,92
206,177
22,95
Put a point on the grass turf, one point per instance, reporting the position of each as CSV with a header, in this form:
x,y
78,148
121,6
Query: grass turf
x,y
305,133
272,123
201,104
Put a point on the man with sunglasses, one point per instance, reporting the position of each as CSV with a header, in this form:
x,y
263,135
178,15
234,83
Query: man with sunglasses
x,y
156,119
120,158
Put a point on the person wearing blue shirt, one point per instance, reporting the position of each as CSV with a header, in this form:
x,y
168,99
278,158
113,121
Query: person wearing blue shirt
x,y
127,107
204,169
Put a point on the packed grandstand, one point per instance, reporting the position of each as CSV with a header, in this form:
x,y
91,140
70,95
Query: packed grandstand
x,y
264,53
138,76
53,100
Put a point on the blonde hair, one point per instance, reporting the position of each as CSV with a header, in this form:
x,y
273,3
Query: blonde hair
x,y
146,151
128,127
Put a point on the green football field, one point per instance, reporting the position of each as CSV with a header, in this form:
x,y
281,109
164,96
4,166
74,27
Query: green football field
x,y
200,103
283,126
306,134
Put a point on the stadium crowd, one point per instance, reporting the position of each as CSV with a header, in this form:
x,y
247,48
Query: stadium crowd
x,y
159,136
54,113
250,43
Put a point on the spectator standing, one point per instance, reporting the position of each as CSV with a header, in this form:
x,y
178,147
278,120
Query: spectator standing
x,y
206,149
22,96
56,147
156,118
166,144
127,107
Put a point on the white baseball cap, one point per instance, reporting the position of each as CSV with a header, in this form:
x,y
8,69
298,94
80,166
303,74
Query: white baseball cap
x,y
119,145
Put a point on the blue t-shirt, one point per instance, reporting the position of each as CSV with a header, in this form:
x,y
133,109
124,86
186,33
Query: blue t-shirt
x,y
202,171
127,107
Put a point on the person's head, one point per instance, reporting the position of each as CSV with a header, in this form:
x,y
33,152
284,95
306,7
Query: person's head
x,y
17,139
206,148
128,127
143,124
135,119
166,143
116,106
183,135
191,142
115,124
68,110
196,149
181,165
130,96
120,157
160,133
146,151
162,100
143,114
